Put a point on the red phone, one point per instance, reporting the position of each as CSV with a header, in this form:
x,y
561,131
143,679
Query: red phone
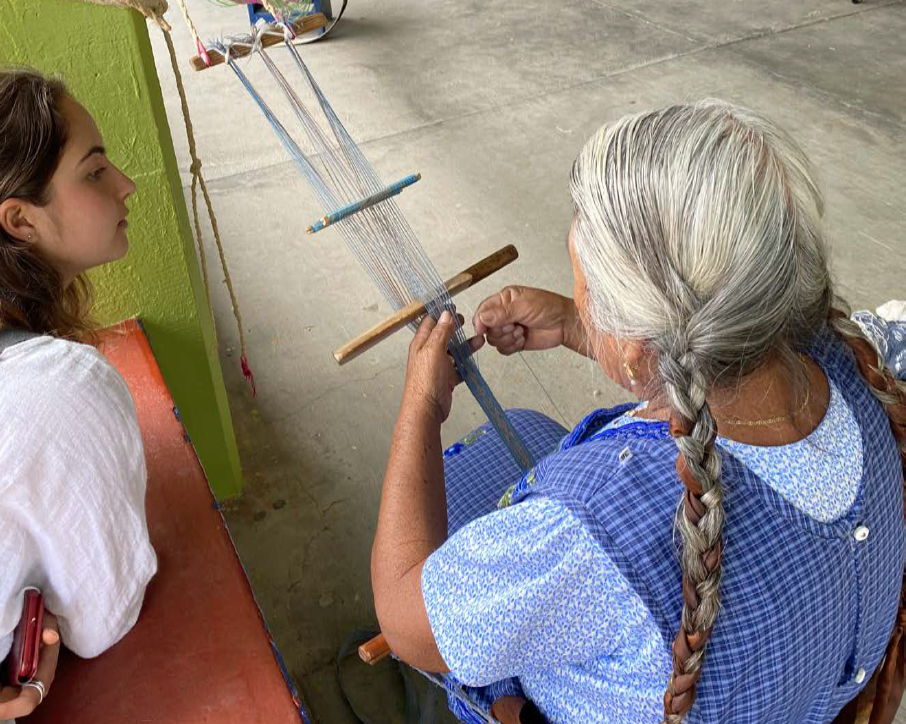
x,y
22,664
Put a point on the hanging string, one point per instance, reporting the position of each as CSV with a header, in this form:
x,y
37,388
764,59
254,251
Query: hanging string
x,y
199,46
198,180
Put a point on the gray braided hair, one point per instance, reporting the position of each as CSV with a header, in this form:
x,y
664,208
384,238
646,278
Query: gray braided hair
x,y
698,230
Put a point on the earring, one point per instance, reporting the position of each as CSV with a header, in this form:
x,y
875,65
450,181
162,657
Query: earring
x,y
629,374
28,238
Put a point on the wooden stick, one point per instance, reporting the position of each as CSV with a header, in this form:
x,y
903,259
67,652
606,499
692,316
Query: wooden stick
x,y
301,26
410,313
374,650
357,206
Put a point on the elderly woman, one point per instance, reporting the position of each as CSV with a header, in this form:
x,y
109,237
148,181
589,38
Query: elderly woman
x,y
736,538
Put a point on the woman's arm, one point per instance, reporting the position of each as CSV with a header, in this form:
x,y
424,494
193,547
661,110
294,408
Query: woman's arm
x,y
412,521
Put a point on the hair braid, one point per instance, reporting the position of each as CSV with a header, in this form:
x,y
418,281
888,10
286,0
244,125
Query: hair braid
x,y
698,231
889,391
700,521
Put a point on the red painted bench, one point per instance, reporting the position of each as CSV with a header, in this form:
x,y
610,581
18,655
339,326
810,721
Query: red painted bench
x,y
200,651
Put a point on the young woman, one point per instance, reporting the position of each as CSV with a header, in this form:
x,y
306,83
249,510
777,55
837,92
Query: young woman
x,y
736,539
72,469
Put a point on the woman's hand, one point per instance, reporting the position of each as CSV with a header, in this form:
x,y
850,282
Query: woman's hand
x,y
15,701
412,521
516,710
430,374
519,319
506,709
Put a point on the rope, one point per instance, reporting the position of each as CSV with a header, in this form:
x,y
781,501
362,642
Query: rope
x,y
198,44
198,180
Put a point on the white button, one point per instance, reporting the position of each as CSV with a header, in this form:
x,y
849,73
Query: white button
x,y
860,676
860,533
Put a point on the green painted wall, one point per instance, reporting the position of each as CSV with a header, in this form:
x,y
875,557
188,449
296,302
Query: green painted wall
x,y
104,55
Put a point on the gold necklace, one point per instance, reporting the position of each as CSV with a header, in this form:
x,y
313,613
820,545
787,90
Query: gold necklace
x,y
767,422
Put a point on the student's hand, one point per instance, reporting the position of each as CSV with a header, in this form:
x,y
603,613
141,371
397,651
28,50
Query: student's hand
x,y
16,701
518,319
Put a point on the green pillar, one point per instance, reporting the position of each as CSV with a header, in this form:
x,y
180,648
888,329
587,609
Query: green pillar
x,y
104,56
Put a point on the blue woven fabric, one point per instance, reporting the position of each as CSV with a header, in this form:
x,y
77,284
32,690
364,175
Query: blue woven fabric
x,y
573,593
819,474
477,469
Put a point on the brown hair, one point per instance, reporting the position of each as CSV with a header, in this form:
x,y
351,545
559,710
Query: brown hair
x,y
33,133
889,391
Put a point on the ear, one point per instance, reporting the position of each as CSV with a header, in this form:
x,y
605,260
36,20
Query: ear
x,y
639,357
633,353
14,220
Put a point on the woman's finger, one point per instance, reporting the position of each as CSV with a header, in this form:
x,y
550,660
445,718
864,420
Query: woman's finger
x,y
495,335
511,347
18,703
481,319
507,351
454,373
492,312
50,654
443,330
504,340
516,329
24,703
510,305
496,331
423,333
51,633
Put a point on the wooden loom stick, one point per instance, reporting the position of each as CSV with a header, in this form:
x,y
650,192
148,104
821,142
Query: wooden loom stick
x,y
357,206
301,26
416,309
374,650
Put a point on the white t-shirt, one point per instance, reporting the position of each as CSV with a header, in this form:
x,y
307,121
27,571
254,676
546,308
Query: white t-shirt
x,y
72,494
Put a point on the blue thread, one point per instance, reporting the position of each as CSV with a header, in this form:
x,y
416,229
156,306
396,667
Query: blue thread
x,y
356,206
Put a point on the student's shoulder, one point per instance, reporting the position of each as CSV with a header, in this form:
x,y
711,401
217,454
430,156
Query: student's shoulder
x,y
60,371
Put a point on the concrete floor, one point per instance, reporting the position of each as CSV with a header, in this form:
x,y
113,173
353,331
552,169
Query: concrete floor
x,y
491,102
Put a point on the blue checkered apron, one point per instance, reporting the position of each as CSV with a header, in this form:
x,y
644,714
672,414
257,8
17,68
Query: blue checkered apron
x,y
806,607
